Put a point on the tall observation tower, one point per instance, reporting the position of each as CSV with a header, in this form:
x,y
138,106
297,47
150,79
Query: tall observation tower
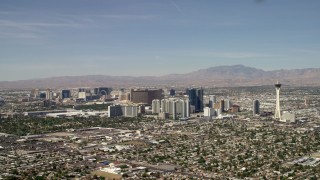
x,y
277,114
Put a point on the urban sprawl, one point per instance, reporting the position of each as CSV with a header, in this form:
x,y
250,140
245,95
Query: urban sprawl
x,y
262,132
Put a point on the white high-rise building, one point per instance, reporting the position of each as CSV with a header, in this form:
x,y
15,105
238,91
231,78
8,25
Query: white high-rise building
x,y
178,108
169,107
49,94
183,108
163,105
187,107
174,109
156,106
208,112
277,114
227,104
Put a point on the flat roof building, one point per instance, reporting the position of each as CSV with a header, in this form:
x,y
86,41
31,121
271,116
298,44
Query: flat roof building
x,y
126,111
145,96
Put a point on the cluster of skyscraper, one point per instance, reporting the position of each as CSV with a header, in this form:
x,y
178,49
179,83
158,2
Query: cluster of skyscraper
x,y
83,93
216,108
96,93
177,108
192,103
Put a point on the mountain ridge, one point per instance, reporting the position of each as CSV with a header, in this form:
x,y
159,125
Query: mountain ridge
x,y
234,75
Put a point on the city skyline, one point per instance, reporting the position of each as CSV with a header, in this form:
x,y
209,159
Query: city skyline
x,y
41,39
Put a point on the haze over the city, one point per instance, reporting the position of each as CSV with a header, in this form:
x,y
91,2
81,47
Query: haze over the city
x,y
81,37
159,89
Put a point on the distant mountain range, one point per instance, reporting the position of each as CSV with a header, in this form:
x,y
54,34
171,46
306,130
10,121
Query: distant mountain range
x,y
219,76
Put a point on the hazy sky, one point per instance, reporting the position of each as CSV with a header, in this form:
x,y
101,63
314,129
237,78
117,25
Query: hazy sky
x,y
42,38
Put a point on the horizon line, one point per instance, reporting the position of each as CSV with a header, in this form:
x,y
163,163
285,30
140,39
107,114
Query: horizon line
x,y
168,74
